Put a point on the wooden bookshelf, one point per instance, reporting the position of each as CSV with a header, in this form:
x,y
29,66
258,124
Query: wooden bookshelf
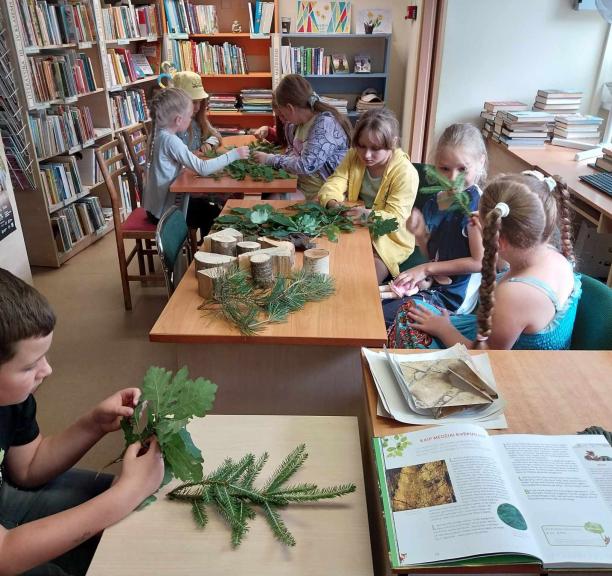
x,y
39,215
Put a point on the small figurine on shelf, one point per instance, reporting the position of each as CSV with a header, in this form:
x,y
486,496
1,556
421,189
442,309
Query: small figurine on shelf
x,y
236,27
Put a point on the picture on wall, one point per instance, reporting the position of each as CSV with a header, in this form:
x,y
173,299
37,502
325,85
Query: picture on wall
x,y
320,17
373,21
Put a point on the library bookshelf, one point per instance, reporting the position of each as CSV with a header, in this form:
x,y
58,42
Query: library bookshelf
x,y
349,85
71,97
179,47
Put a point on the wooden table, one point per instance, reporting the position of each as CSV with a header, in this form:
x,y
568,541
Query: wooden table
x,y
547,392
332,536
590,203
190,182
307,365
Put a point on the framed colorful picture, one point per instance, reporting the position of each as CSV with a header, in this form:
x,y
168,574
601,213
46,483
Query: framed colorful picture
x,y
373,21
321,17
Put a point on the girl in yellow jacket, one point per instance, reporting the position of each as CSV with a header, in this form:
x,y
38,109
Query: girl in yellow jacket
x,y
379,174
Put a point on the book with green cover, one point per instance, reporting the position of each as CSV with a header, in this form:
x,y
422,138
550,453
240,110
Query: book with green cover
x,y
455,496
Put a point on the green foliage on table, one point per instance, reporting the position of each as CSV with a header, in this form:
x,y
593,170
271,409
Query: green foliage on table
x,y
231,490
309,218
250,309
440,183
167,403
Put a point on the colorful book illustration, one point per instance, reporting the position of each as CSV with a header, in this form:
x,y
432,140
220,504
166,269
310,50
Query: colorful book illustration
x,y
323,17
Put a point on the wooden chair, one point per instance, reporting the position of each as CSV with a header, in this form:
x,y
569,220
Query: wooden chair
x,y
136,139
136,226
593,325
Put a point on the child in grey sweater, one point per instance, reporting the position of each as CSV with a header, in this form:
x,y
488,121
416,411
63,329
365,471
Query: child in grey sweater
x,y
171,111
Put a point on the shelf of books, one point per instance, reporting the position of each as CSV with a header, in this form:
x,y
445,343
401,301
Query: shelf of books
x,y
81,72
228,44
341,67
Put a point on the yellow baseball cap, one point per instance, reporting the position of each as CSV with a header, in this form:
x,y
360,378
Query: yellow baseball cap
x,y
191,83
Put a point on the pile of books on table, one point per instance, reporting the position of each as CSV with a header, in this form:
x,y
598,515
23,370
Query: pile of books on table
x,y
492,107
222,102
577,131
339,103
558,101
257,100
605,162
522,128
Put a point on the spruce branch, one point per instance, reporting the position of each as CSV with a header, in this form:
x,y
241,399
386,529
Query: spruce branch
x,y
230,489
439,183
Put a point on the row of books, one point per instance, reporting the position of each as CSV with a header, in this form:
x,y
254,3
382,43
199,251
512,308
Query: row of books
x,y
222,102
261,15
206,58
304,60
256,100
61,180
60,129
124,22
49,24
128,107
125,66
177,21
61,76
76,221
202,18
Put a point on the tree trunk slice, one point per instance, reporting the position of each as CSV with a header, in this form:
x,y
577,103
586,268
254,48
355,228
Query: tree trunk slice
x,y
205,260
223,244
316,261
261,270
244,247
206,243
207,280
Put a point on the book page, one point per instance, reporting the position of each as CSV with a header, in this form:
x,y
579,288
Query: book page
x,y
447,497
564,487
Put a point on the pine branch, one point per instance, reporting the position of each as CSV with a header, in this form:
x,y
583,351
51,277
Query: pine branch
x,y
439,183
230,489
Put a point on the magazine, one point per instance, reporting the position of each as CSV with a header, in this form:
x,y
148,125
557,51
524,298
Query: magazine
x,y
454,493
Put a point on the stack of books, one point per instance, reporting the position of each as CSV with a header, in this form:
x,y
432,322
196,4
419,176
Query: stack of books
x,y
148,20
177,20
304,60
128,107
522,128
605,162
223,58
368,102
558,101
61,180
261,15
577,128
202,19
257,100
126,67
339,104
492,107
222,102
120,22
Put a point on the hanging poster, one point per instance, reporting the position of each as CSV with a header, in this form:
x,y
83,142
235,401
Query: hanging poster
x,y
320,17
7,219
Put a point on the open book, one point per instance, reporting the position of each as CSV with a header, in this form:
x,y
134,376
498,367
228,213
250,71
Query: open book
x,y
453,495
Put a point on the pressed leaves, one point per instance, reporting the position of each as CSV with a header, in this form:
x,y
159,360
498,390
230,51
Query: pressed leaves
x,y
231,490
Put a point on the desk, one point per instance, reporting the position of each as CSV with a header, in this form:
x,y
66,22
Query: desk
x,y
594,206
307,365
189,182
332,537
547,392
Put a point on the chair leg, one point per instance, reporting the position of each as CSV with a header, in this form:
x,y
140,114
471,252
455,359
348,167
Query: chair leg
x,y
140,256
127,298
193,239
150,260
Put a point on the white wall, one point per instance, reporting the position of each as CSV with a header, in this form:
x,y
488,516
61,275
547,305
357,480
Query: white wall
x,y
13,255
507,50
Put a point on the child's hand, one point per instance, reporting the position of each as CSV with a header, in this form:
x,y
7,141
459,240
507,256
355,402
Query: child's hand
x,y
409,280
261,157
474,222
243,151
206,148
358,214
416,223
424,319
143,468
107,415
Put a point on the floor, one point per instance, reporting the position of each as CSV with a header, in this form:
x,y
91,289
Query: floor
x,y
98,347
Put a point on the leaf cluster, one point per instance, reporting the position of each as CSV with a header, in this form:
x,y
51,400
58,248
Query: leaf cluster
x,y
250,309
240,169
167,403
437,182
231,490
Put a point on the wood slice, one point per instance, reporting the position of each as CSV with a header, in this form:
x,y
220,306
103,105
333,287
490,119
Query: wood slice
x,y
207,279
316,260
244,247
261,270
223,244
205,260
206,244
283,259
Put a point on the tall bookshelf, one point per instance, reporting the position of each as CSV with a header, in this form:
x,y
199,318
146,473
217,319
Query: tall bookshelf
x,y
64,86
256,49
351,84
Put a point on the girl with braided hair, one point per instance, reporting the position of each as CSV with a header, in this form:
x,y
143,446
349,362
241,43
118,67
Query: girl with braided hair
x,y
533,305
317,136
171,112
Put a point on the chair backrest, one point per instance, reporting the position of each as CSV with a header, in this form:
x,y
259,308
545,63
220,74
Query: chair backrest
x,y
593,325
172,237
113,161
136,139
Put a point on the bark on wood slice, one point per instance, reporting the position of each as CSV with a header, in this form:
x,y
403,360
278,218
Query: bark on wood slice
x,y
207,279
204,260
261,270
283,259
244,247
223,244
316,260
206,244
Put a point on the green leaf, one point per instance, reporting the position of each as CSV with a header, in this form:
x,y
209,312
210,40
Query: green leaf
x,y
180,454
332,232
259,216
283,220
381,226
594,527
198,511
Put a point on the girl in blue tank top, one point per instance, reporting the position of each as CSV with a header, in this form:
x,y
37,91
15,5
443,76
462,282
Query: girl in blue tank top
x,y
532,305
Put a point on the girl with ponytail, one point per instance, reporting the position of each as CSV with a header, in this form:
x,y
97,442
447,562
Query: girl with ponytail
x,y
533,305
317,135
